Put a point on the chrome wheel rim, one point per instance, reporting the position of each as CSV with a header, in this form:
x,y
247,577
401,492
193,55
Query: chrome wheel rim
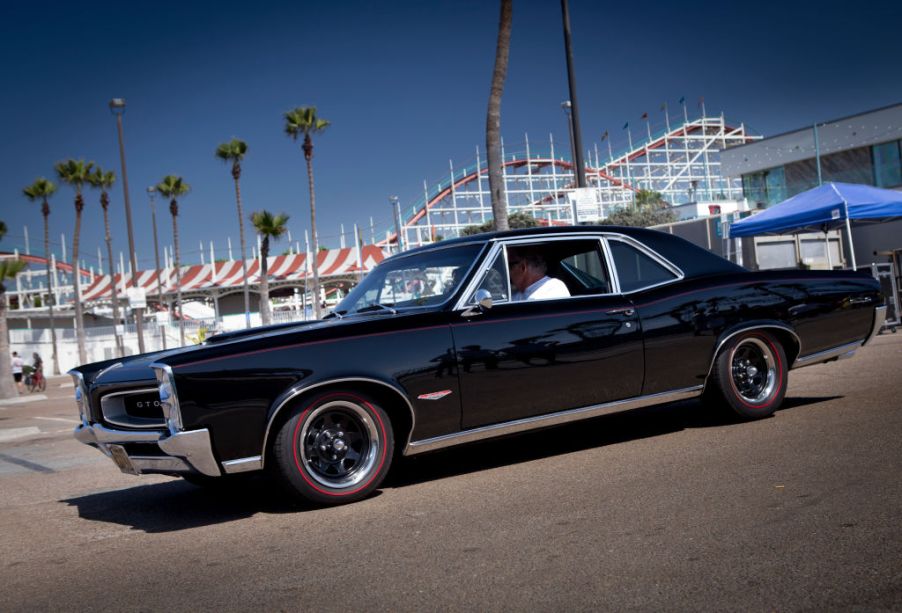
x,y
753,370
339,444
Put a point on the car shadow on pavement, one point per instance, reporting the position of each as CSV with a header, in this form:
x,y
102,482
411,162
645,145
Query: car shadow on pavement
x,y
598,432
178,505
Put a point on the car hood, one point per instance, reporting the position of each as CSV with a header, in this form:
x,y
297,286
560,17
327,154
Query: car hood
x,y
137,369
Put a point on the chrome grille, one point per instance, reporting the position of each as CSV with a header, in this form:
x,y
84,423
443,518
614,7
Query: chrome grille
x,y
138,408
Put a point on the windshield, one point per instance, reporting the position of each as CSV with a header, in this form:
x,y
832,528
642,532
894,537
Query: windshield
x,y
422,279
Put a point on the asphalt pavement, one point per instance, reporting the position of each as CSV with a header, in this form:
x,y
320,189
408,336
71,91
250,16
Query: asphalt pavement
x,y
663,508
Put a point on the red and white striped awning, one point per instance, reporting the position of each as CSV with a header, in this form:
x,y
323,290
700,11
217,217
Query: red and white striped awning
x,y
223,275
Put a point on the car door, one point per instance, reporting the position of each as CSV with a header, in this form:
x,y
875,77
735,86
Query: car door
x,y
520,359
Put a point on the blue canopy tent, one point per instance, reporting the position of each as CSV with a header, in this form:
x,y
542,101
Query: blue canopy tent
x,y
826,207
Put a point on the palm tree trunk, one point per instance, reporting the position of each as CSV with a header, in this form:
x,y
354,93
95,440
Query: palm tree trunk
x,y
7,385
109,252
247,299
51,298
79,311
265,311
178,273
493,118
316,299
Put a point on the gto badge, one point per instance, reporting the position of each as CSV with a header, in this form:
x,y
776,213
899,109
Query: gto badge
x,y
434,395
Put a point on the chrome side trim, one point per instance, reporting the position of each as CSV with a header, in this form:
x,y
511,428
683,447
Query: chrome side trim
x,y
297,391
544,421
879,319
243,465
843,351
724,340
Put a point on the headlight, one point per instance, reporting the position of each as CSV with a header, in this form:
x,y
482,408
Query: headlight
x,y
81,397
169,401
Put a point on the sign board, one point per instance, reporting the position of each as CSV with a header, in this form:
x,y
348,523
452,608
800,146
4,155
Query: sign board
x,y
586,200
137,299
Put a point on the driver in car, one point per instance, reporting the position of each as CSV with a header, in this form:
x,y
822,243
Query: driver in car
x,y
529,278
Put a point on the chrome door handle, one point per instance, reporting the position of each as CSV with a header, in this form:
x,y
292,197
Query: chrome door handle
x,y
628,311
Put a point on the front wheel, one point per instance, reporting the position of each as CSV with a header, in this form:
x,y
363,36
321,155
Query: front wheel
x,y
750,375
335,448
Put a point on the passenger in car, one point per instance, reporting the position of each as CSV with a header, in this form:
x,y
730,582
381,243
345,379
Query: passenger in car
x,y
529,281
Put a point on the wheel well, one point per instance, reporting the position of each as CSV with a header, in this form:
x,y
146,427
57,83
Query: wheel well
x,y
790,344
386,397
787,339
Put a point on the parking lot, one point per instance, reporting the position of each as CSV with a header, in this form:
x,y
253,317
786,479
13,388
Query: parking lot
x,y
663,508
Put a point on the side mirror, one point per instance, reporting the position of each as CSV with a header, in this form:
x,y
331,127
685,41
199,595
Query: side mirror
x,y
484,299
483,302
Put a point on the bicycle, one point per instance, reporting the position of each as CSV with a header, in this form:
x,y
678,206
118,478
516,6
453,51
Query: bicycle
x,y
35,381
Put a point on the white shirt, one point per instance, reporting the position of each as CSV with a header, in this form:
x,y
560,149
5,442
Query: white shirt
x,y
545,288
17,365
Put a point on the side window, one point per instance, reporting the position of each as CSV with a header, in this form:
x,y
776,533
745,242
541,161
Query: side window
x,y
636,269
495,280
584,270
547,270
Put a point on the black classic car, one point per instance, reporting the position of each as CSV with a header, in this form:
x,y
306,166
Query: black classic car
x,y
438,347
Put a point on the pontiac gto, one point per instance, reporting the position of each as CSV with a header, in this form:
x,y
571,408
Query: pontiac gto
x,y
432,350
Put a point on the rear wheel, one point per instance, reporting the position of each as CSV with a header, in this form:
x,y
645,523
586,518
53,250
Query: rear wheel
x,y
750,375
335,448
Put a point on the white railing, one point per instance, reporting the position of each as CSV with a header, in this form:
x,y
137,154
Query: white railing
x,y
100,341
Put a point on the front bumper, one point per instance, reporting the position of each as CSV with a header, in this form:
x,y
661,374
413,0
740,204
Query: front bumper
x,y
181,452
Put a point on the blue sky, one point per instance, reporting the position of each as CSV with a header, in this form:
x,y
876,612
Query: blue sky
x,y
405,85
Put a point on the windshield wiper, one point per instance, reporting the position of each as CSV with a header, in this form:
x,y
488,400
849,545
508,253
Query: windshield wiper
x,y
376,306
338,314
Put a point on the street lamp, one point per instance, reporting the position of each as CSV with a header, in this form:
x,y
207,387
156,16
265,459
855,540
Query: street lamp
x,y
117,106
396,213
574,110
567,107
151,192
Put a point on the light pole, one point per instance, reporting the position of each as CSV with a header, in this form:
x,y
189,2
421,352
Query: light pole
x,y
574,110
567,107
396,213
152,191
117,106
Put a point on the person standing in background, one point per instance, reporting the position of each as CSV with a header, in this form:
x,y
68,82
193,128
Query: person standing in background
x,y
17,363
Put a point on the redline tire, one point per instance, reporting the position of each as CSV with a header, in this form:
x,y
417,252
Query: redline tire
x,y
336,448
750,375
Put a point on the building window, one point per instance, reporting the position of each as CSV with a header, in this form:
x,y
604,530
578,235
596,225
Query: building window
x,y
850,166
887,164
775,183
801,176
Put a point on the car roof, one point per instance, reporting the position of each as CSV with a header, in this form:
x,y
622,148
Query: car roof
x,y
690,258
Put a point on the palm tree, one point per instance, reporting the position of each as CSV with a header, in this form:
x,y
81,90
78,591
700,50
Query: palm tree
x,y
41,190
268,226
493,117
234,151
104,181
174,187
75,173
303,120
9,268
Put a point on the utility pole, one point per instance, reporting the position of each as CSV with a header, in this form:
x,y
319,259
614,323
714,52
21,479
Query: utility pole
x,y
574,108
117,106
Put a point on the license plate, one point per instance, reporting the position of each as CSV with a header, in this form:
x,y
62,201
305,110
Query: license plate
x,y
117,452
